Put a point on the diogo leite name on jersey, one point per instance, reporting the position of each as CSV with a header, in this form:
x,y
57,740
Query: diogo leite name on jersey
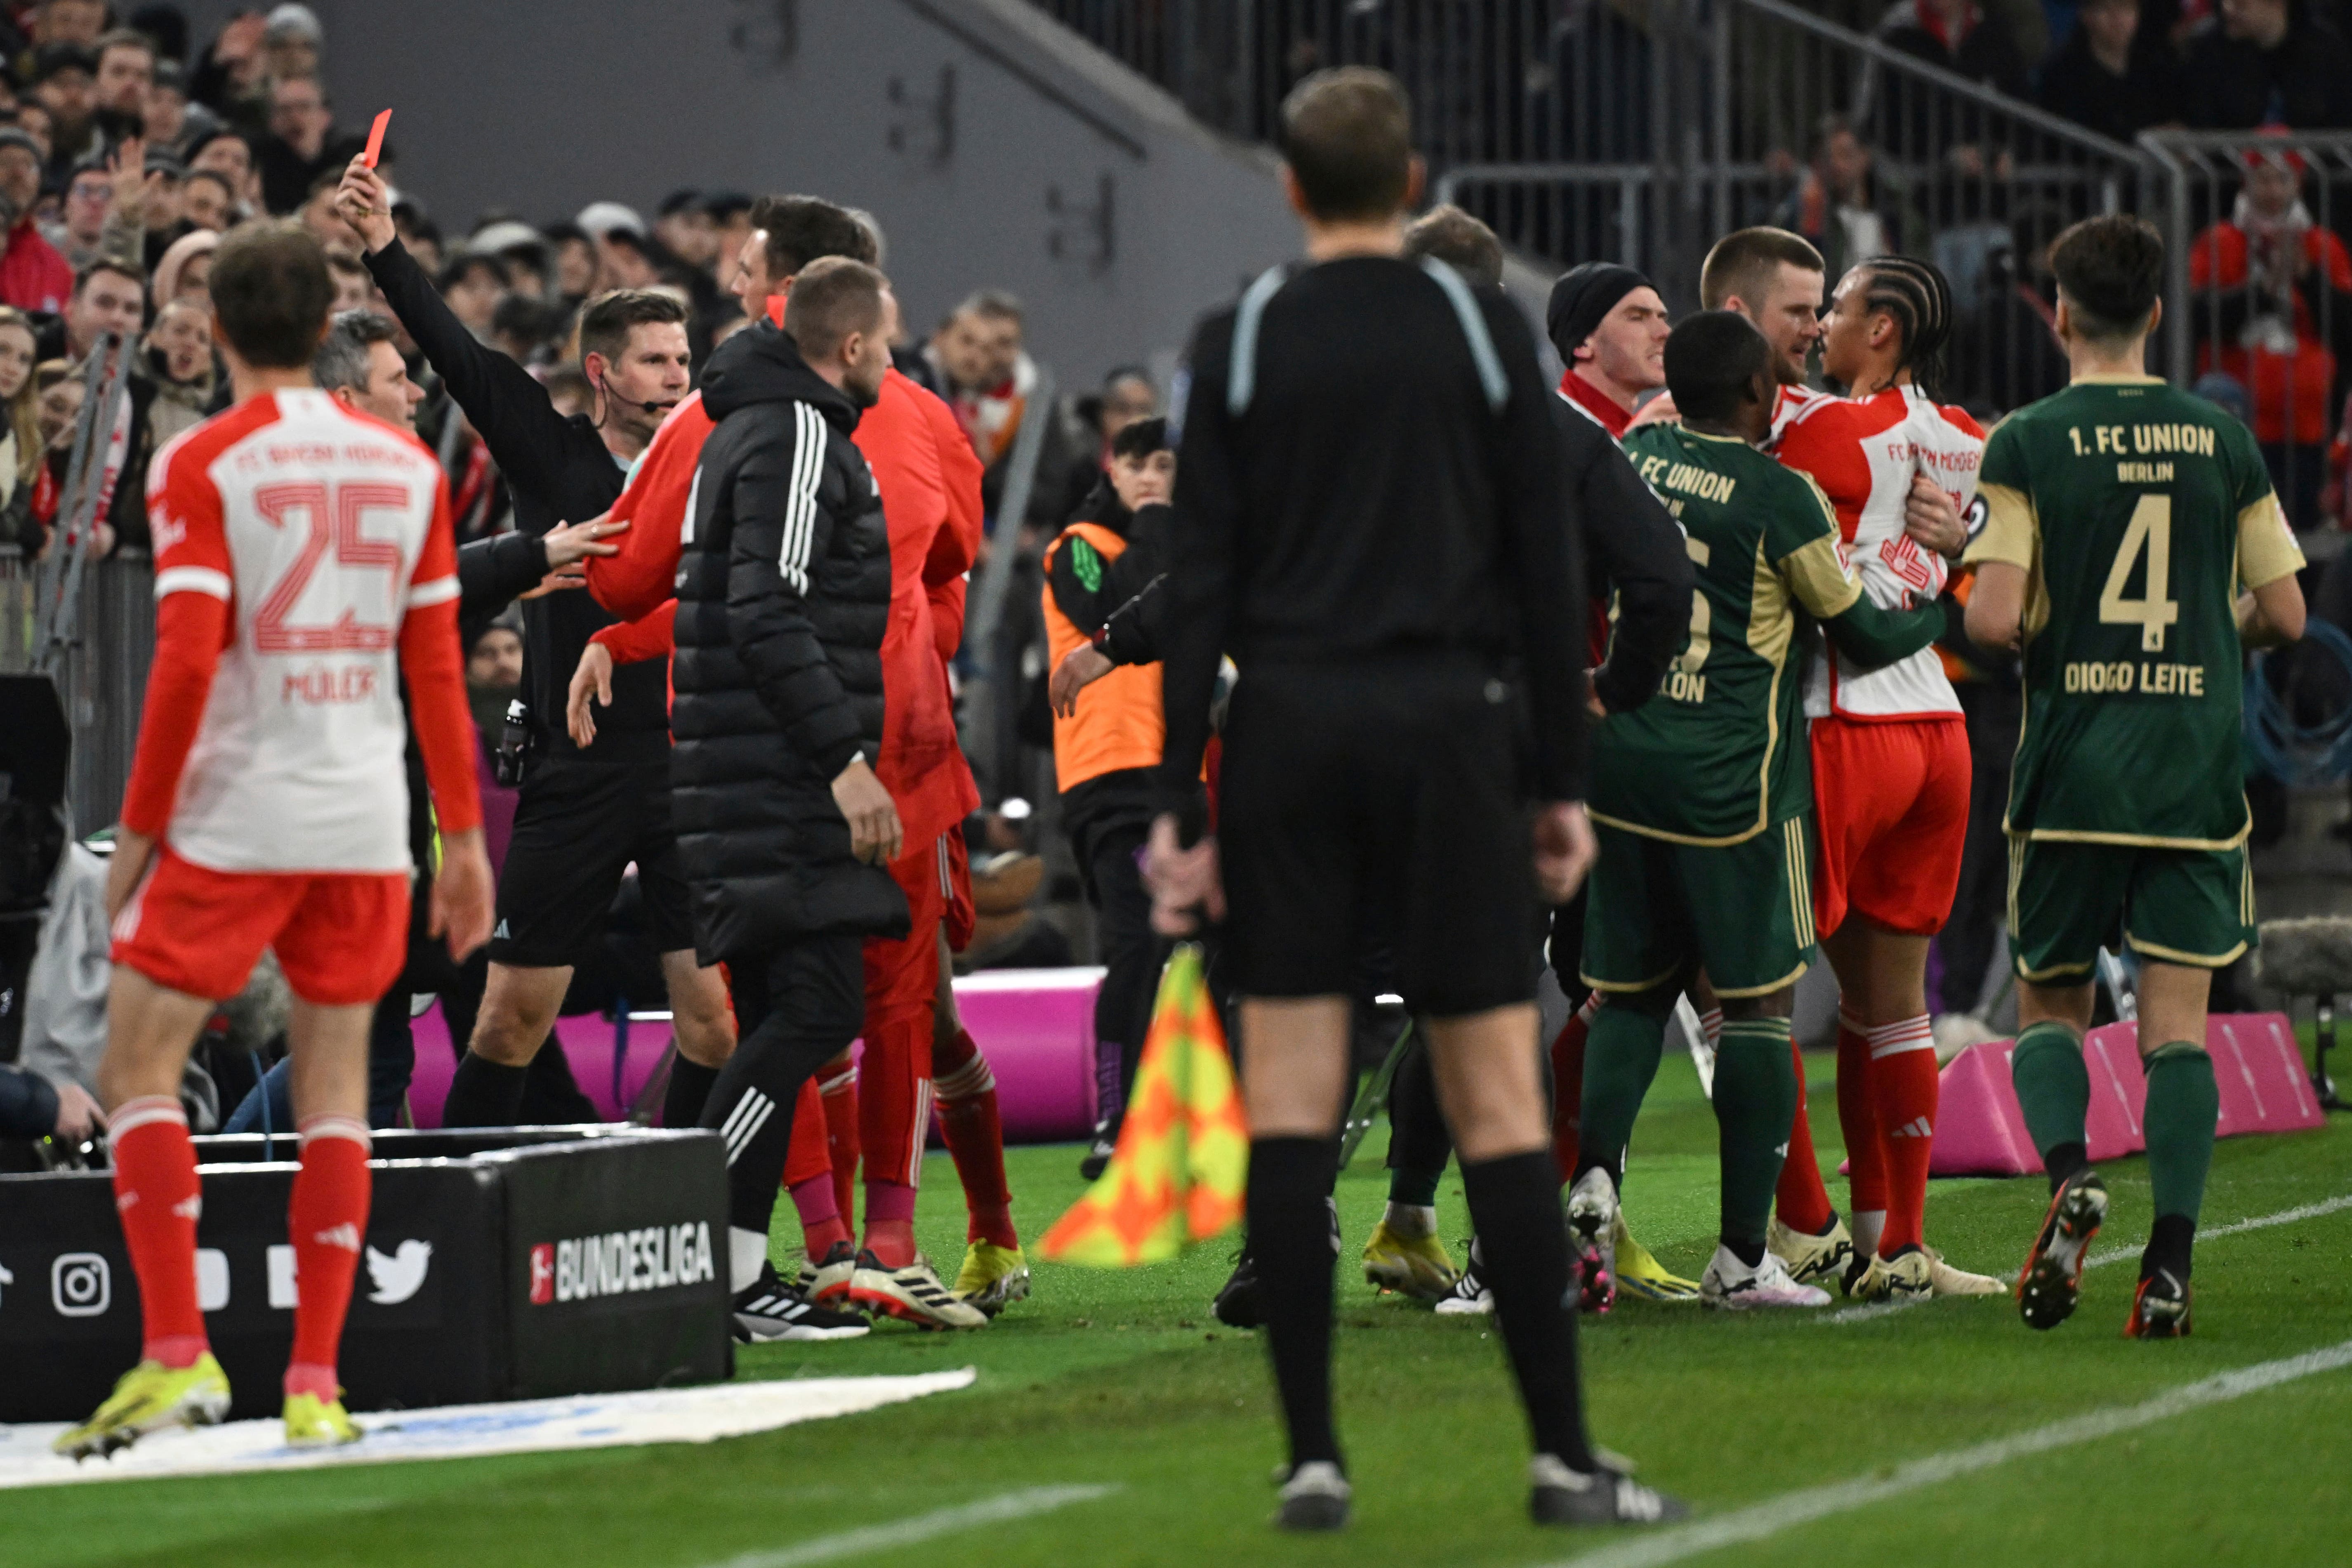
x,y
2150,678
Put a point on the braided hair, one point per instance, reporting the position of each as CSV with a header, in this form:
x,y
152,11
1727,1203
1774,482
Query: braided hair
x,y
1919,298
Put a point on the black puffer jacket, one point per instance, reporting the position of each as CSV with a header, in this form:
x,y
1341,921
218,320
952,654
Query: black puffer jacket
x,y
784,589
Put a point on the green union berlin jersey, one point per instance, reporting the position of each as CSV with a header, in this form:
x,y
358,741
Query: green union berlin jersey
x,y
2139,513
1720,754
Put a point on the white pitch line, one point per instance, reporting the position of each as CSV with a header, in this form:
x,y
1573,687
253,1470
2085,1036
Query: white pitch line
x,y
1865,1314
1790,1510
2260,1222
2115,1255
1023,1504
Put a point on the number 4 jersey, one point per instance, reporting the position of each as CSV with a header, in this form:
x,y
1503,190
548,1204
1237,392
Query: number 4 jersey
x,y
2138,513
303,563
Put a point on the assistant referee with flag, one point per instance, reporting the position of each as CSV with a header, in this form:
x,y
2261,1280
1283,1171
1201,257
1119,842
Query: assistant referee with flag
x,y
1370,521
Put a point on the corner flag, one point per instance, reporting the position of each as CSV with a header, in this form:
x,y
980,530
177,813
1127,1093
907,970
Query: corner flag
x,y
1178,1174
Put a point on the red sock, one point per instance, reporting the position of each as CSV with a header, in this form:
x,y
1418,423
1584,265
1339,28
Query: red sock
x,y
327,1221
808,1175
809,1154
840,1092
965,1094
1567,1087
1803,1202
821,1226
1866,1152
1903,1089
157,1194
891,1223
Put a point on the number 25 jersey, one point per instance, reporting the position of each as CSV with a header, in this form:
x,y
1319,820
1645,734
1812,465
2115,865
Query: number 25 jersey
x,y
320,528
2138,512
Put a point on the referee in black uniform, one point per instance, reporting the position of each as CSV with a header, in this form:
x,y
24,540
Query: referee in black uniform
x,y
1369,521
584,815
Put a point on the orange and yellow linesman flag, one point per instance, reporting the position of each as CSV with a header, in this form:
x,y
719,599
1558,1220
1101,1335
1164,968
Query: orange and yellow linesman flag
x,y
1183,1160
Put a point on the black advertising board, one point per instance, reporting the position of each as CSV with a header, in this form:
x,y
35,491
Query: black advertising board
x,y
442,1310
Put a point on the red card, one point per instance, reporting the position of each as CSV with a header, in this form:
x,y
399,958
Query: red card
x,y
375,137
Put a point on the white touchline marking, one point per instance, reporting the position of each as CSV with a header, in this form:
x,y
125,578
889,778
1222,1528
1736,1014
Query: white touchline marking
x,y
2260,1222
1770,1517
1865,1314
1023,1504
2116,1255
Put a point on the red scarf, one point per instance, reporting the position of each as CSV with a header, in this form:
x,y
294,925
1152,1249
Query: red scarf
x,y
1595,402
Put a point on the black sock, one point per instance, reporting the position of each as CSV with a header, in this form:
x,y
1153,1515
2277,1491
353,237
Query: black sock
x,y
2169,1241
690,1084
483,1093
750,1104
2062,1161
1290,1243
1515,1204
1748,1251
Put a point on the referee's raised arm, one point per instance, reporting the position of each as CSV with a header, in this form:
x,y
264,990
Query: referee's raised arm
x,y
1370,521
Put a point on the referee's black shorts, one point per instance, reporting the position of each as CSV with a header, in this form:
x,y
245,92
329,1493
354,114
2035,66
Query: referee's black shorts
x,y
1395,786
577,826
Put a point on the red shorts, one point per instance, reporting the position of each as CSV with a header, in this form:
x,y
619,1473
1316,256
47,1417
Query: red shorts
x,y
902,972
1892,803
340,937
961,913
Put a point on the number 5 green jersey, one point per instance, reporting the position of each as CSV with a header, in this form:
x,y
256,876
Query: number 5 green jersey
x,y
2138,513
1718,755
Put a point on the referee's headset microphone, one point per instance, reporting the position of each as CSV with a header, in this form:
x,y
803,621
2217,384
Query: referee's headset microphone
x,y
602,386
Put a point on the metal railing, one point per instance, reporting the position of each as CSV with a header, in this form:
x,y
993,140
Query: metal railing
x,y
1643,129
101,669
1507,80
2261,290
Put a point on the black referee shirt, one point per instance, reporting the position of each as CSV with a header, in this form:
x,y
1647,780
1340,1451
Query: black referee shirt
x,y
1371,501
558,470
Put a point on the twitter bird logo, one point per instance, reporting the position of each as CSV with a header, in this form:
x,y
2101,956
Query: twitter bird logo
x,y
401,1276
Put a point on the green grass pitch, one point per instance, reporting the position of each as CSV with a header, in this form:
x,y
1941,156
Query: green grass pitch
x,y
1125,1380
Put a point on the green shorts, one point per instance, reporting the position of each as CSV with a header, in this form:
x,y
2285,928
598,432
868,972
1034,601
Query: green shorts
x,y
2068,899
1743,912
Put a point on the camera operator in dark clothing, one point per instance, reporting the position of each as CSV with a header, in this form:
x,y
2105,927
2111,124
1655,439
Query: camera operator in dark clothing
x,y
1369,521
583,816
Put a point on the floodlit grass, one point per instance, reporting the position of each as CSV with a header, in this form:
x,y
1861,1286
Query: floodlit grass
x,y
1125,1379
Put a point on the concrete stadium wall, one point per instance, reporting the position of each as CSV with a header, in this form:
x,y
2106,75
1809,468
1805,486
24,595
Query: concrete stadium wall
x,y
996,148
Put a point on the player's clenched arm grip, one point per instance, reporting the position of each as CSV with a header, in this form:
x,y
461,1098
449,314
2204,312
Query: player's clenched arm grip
x,y
1864,632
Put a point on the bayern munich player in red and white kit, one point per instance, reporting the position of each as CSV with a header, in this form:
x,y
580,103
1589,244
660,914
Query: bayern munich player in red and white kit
x,y
1891,767
304,567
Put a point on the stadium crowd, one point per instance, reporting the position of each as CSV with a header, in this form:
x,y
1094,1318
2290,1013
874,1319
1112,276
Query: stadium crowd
x,y
726,728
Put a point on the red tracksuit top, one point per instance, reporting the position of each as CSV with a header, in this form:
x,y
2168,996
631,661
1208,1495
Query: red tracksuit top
x,y
930,479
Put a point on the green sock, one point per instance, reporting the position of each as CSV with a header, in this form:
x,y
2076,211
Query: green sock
x,y
1755,1107
1621,1058
1412,1188
2182,1107
2054,1086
